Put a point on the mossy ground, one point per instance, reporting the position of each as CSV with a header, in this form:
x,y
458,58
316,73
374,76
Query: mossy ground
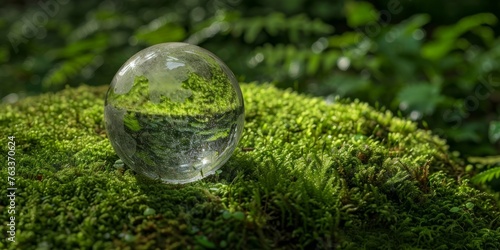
x,y
306,174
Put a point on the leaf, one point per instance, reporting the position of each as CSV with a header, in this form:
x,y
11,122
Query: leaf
x,y
253,30
360,13
239,215
486,176
274,23
149,211
203,241
447,35
469,205
485,160
422,97
61,73
413,23
169,32
454,209
295,26
467,132
345,40
494,131
4,55
465,24
345,84
75,49
486,33
129,237
313,64
226,215
329,59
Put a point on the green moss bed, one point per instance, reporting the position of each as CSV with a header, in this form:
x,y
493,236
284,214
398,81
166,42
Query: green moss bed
x,y
306,175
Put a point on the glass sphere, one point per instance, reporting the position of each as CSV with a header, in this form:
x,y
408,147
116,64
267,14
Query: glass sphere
x,y
174,112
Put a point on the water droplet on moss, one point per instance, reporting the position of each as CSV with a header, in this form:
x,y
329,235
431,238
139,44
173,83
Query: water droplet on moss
x,y
174,112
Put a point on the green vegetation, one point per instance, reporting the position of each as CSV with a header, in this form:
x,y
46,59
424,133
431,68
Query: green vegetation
x,y
307,174
195,97
433,62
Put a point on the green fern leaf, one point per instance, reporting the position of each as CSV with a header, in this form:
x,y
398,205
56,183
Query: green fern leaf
x,y
283,55
486,176
60,74
485,160
277,22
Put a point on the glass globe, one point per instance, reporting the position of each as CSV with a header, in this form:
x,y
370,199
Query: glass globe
x,y
174,112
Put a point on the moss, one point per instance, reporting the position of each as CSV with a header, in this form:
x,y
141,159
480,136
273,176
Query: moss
x,y
131,122
197,96
306,174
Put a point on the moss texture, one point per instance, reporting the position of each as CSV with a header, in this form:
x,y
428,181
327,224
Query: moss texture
x,y
195,97
306,174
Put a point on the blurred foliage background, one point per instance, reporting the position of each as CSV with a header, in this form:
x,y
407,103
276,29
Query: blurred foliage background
x,y
435,62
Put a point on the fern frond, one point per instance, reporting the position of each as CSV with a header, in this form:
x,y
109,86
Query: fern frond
x,y
486,176
485,160
283,55
250,27
278,22
60,74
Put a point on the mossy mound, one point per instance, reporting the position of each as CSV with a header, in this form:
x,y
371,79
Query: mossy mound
x,y
307,174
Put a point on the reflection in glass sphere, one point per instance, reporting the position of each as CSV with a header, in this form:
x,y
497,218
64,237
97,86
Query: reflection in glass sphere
x,y
174,112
